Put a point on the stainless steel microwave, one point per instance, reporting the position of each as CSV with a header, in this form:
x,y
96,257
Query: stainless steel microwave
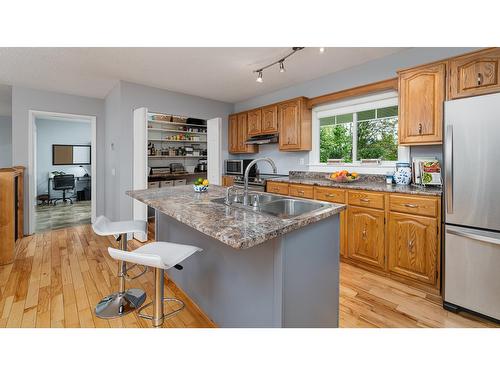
x,y
237,167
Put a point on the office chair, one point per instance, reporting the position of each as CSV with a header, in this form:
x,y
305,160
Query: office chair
x,y
64,182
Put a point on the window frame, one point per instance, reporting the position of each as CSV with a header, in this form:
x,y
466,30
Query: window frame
x,y
367,102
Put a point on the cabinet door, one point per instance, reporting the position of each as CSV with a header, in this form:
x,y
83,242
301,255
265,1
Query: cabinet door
x,y
233,134
242,131
254,122
475,74
227,180
413,244
365,243
289,125
270,119
421,95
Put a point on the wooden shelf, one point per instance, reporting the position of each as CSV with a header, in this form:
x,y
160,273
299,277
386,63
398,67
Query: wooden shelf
x,y
177,156
174,131
182,141
174,123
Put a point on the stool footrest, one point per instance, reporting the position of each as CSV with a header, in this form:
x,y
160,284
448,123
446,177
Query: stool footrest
x,y
128,278
165,316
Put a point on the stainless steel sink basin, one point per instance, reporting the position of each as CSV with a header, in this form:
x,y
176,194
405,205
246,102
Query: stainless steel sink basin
x,y
288,208
276,205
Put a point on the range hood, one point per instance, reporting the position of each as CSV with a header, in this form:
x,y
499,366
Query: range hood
x,y
262,139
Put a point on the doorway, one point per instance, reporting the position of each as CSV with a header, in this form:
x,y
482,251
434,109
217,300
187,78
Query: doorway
x,y
62,170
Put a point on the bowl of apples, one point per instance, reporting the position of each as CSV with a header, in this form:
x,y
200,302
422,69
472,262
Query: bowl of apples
x,y
344,176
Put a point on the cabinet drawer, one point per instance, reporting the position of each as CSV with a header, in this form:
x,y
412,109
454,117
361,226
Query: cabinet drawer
x,y
301,191
365,199
414,205
329,194
277,187
152,185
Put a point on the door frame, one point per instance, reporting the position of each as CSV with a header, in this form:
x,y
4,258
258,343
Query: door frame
x,y
33,114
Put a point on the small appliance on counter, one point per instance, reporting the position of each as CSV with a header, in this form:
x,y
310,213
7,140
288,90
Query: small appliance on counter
x,y
202,166
177,168
237,167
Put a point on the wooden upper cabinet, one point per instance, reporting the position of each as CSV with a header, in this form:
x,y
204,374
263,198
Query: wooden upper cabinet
x,y
422,93
233,134
413,247
255,122
269,119
475,74
366,235
238,134
294,121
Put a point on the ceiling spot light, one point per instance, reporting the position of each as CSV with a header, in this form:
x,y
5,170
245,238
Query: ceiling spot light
x,y
321,49
259,77
282,66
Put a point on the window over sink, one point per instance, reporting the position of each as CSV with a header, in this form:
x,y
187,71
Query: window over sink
x,y
356,129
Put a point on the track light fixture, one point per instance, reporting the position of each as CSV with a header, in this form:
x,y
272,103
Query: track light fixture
x,y
282,66
281,63
259,77
321,49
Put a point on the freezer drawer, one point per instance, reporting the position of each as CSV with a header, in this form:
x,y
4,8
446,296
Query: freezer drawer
x,y
472,264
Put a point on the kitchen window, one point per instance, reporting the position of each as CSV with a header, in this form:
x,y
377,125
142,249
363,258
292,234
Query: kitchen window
x,y
363,128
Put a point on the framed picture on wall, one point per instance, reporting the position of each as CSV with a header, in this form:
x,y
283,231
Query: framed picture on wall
x,y
71,155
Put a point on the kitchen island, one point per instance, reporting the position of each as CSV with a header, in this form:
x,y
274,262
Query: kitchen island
x,y
256,270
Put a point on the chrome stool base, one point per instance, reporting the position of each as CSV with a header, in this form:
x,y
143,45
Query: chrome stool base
x,y
117,305
159,321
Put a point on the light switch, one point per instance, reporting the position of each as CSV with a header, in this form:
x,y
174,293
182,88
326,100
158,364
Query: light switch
x,y
113,172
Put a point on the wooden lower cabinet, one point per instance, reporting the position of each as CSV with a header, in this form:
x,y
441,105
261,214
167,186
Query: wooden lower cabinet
x,y
366,236
227,180
392,234
277,187
413,247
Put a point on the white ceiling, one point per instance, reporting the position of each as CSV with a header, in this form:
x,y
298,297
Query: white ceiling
x,y
217,73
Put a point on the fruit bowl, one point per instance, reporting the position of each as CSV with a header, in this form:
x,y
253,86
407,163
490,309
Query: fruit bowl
x,y
200,188
344,176
200,185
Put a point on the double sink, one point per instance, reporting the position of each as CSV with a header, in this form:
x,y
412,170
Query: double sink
x,y
273,205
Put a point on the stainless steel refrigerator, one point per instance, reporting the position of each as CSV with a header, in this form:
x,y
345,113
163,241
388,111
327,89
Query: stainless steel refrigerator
x,y
472,205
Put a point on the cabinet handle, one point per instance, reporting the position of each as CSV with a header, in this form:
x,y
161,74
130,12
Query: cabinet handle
x,y
479,79
410,205
363,234
301,192
331,195
364,199
420,128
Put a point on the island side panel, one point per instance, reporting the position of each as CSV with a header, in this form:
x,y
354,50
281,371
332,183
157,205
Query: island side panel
x,y
235,288
311,275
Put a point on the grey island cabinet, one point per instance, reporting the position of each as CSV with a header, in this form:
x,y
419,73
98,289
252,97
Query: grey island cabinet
x,y
255,270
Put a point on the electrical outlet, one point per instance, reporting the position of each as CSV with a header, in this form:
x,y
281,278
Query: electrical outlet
x,y
113,172
301,161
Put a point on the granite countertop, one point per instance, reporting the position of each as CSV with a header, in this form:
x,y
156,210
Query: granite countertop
x,y
366,182
236,227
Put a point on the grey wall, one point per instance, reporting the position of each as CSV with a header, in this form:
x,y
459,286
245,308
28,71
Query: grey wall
x,y
5,141
369,72
49,132
26,99
129,96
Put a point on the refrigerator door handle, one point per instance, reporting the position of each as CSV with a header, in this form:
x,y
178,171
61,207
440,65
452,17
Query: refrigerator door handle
x,y
448,168
475,235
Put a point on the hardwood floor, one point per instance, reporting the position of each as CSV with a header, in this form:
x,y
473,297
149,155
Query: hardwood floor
x,y
62,215
60,275
370,300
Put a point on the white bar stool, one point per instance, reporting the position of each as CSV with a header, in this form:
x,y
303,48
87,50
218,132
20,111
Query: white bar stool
x,y
161,256
125,300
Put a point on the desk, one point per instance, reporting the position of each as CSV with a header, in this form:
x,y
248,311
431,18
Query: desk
x,y
80,184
